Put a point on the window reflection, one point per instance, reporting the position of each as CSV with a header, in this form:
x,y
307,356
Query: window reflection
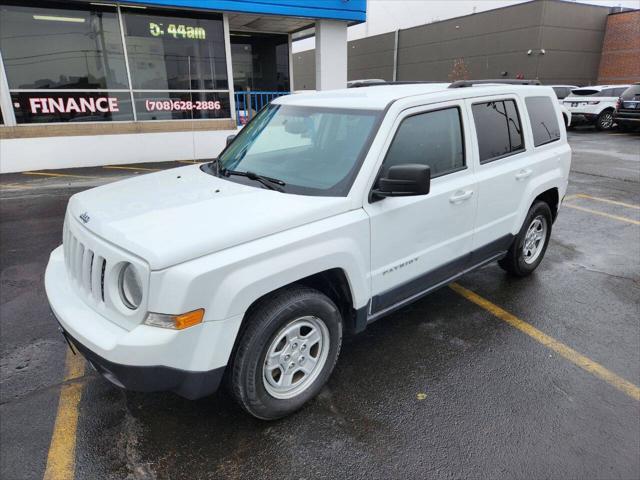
x,y
175,52
62,47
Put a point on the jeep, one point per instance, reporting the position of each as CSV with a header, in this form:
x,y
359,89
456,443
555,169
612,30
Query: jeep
x,y
326,212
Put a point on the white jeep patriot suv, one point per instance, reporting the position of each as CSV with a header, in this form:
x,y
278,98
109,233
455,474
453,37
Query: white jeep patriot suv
x,y
326,212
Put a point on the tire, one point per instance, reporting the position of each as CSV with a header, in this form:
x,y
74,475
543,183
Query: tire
x,y
605,121
286,325
521,261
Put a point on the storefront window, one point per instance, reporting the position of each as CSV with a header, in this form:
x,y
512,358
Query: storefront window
x,y
260,62
67,62
65,47
175,52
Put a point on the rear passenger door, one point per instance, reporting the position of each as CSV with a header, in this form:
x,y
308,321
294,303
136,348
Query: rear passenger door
x,y
420,241
509,158
503,171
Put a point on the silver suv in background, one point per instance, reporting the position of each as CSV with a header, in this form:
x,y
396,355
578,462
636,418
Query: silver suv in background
x,y
627,114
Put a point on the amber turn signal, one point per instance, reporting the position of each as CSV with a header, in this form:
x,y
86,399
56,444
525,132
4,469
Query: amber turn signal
x,y
189,319
175,322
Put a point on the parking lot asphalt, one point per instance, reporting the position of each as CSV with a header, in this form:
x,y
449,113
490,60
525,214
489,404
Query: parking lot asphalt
x,y
492,378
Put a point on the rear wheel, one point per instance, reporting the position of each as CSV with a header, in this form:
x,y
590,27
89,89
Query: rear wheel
x,y
287,352
605,120
530,245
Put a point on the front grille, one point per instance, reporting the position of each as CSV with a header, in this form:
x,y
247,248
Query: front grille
x,y
85,267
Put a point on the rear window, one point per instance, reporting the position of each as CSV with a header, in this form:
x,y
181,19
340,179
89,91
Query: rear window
x,y
544,122
585,92
498,128
631,92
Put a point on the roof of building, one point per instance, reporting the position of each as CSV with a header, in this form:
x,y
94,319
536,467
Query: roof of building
x,y
378,97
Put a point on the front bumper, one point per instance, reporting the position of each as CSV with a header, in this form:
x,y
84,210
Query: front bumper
x,y
191,385
189,362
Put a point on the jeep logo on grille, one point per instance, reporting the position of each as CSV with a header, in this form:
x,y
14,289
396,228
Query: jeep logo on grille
x,y
85,217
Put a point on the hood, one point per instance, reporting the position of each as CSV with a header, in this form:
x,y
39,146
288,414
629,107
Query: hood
x,y
176,215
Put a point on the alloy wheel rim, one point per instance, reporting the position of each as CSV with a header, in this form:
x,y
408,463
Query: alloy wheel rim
x,y
295,357
534,240
607,120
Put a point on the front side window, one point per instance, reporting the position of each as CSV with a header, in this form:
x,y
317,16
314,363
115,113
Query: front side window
x,y
544,122
313,150
498,129
431,138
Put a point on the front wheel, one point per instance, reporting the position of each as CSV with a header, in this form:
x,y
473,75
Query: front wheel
x,y
528,248
287,352
605,121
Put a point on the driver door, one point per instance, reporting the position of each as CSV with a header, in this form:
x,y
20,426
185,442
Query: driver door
x,y
418,242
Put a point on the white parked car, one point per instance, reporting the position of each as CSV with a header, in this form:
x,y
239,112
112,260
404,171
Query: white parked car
x,y
562,92
594,105
327,212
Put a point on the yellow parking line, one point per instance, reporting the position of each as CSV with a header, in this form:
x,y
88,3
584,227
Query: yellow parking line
x,y
560,348
62,450
605,200
56,175
608,215
133,168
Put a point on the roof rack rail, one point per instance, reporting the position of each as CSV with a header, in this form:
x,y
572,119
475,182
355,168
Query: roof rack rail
x,y
507,81
377,83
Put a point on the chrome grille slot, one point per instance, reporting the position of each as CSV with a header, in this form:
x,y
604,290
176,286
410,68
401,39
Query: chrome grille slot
x,y
96,278
85,267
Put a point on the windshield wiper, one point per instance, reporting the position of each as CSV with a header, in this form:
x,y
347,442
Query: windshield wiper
x,y
268,182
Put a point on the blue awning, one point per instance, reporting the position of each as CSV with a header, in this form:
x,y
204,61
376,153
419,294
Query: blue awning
x,y
347,10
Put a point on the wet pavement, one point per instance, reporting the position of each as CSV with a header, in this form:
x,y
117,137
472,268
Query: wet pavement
x,y
441,389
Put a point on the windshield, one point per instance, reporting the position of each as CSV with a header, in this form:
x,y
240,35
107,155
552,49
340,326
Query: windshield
x,y
314,151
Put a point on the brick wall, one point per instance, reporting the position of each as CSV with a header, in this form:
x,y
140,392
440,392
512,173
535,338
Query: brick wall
x,y
620,60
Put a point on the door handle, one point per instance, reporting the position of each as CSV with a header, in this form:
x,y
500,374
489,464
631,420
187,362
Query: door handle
x,y
460,196
524,173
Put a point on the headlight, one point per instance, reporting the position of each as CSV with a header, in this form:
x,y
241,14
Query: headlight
x,y
130,287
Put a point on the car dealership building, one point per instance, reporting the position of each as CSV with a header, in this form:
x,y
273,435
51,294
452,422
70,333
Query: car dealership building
x,y
87,83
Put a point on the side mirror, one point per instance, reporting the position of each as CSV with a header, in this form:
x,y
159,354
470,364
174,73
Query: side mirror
x,y
404,181
230,139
